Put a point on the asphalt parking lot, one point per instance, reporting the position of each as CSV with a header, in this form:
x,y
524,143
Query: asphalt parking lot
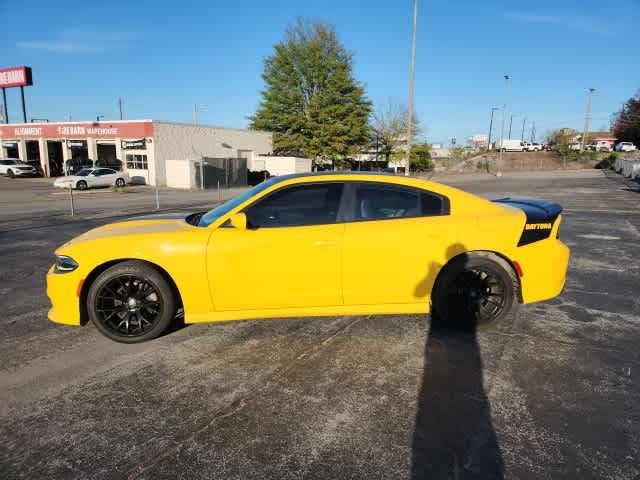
x,y
555,395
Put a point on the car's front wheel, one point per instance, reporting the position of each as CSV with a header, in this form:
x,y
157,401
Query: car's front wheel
x,y
81,185
120,182
475,290
131,302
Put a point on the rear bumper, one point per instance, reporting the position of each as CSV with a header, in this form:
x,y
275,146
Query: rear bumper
x,y
62,290
544,265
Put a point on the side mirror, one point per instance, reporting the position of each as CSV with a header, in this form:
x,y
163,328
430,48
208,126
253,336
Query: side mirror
x,y
239,221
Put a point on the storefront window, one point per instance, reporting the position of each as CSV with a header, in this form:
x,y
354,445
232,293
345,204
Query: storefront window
x,y
137,162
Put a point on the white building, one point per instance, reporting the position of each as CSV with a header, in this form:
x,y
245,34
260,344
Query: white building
x,y
141,147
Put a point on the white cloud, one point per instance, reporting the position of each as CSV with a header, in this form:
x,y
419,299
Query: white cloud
x,y
80,41
573,22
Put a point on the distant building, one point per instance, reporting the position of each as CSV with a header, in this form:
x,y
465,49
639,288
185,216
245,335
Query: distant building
x,y
140,147
477,142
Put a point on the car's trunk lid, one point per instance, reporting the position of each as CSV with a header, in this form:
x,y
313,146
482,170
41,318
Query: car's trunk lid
x,y
540,217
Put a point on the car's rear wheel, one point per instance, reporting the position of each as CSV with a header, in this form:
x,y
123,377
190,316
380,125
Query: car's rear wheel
x,y
131,302
10,174
120,183
81,185
475,291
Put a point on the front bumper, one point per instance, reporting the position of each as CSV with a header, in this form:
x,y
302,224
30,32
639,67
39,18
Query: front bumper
x,y
63,290
25,173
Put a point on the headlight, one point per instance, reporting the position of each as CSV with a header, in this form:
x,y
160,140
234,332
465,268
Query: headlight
x,y
65,264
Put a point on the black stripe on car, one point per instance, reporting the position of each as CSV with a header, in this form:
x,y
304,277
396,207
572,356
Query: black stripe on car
x,y
540,218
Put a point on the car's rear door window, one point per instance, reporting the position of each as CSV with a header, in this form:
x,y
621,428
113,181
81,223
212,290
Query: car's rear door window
x,y
308,204
375,201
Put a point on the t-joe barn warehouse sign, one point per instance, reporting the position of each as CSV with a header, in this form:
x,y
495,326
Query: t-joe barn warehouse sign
x,y
110,130
14,77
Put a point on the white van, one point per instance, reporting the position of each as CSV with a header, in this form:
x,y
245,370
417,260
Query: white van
x,y
509,145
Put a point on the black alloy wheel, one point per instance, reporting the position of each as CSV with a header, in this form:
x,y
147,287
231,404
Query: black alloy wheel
x,y
81,185
477,294
10,174
119,183
474,292
131,302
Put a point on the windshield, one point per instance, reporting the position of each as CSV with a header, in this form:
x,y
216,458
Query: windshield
x,y
212,215
84,172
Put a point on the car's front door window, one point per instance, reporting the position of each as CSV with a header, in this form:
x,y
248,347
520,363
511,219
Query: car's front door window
x,y
313,204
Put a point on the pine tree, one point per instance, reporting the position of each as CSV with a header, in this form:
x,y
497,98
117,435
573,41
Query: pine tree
x,y
311,102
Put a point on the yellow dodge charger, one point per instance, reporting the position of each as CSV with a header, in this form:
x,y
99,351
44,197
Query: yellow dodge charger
x,y
314,245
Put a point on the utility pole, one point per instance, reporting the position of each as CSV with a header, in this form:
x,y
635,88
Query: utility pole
x,y
490,128
195,113
504,113
412,78
510,125
533,132
120,107
586,118
4,106
524,121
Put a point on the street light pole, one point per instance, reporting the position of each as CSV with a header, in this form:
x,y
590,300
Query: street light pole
x,y
412,78
490,128
524,122
504,113
586,118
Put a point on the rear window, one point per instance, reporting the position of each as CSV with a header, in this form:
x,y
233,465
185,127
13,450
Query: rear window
x,y
375,201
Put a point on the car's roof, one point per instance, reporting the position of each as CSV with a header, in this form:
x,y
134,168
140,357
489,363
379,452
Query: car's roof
x,y
342,173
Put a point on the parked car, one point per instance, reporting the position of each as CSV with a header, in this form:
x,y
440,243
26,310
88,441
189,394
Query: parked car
x,y
532,147
12,167
93,177
575,147
509,145
625,147
604,146
310,245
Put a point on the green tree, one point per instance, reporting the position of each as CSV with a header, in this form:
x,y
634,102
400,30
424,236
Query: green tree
x,y
626,124
421,157
312,103
562,139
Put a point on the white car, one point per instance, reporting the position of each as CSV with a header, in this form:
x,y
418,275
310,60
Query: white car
x,y
532,147
93,177
604,146
626,147
12,167
509,145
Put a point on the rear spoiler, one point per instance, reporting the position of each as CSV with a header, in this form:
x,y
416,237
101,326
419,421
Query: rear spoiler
x,y
541,215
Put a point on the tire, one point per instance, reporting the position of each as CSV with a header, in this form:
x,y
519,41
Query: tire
x,y
120,183
82,185
461,297
131,302
10,174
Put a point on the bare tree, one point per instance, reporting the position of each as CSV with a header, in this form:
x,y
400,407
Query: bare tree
x,y
389,125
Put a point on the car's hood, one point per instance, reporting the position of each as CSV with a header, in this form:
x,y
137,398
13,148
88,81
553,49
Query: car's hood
x,y
133,227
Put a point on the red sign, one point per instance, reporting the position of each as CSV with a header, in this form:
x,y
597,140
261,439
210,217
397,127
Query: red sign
x,y
119,129
15,77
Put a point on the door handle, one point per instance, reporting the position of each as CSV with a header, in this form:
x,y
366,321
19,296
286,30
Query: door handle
x,y
325,243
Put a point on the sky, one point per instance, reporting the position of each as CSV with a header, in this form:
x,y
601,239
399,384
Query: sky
x,y
163,57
